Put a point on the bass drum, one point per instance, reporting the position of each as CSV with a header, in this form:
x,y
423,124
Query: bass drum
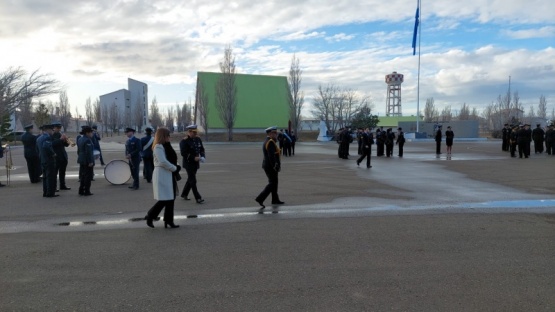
x,y
117,172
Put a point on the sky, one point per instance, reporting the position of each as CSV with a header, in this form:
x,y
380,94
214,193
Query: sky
x,y
468,49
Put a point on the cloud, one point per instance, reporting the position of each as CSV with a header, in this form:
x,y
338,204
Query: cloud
x,y
299,35
339,37
542,32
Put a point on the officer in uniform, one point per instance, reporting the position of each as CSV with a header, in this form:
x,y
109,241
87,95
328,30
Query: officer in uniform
x,y
438,140
272,166
380,141
148,158
389,139
366,140
48,162
86,161
522,141
31,155
192,151
96,143
513,138
538,137
59,143
505,136
133,150
400,140
549,139
528,138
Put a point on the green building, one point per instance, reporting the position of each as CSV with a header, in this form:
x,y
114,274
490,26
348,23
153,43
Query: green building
x,y
262,101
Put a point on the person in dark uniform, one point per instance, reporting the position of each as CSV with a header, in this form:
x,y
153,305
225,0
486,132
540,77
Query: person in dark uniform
x,y
59,143
29,141
528,138
86,161
538,136
549,139
400,141
438,140
1,156
192,151
272,166
96,143
513,139
380,142
505,136
360,131
522,141
148,160
449,135
366,140
293,141
48,162
344,139
286,143
389,139
133,150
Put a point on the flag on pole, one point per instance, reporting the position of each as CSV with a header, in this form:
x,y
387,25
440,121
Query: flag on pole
x,y
415,29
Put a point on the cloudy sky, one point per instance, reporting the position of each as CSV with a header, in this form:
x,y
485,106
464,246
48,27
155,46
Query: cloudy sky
x,y
468,48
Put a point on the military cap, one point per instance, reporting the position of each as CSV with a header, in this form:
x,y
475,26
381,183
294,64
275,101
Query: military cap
x,y
86,129
57,124
148,129
43,127
270,129
191,127
94,127
506,125
129,130
27,127
399,128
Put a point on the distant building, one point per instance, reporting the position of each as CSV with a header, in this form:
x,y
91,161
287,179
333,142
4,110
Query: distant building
x,y
262,101
128,102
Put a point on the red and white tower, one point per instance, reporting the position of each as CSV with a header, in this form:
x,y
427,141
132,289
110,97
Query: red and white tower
x,y
393,103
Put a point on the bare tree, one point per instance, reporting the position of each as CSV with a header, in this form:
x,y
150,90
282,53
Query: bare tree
x,y
170,118
446,114
25,112
324,106
77,118
474,114
64,110
430,112
42,115
531,112
16,89
542,107
464,113
89,112
155,116
201,103
296,97
114,118
226,93
105,117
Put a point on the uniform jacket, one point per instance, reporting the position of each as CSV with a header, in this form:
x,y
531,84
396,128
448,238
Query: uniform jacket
x,y
147,150
47,154
86,154
95,140
538,134
162,177
29,145
401,137
438,136
271,155
133,147
59,146
191,148
367,139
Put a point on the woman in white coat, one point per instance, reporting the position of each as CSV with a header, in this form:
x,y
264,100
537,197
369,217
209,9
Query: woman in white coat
x,y
164,185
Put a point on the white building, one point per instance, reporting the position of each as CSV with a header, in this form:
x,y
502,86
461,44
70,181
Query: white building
x,y
128,103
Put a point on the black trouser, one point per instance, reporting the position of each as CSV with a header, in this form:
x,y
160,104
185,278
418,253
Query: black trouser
x,y
379,150
157,208
148,168
389,149
548,147
365,153
438,147
48,179
293,147
513,149
271,187
401,149
538,146
86,173
522,149
33,168
61,166
191,183
134,167
505,145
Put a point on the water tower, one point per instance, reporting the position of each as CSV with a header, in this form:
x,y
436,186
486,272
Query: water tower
x,y
393,103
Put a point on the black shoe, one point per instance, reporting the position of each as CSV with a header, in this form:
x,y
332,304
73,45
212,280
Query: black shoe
x,y
358,163
261,203
57,190
88,194
200,201
65,188
55,195
170,224
149,223
2,185
278,202
368,167
185,198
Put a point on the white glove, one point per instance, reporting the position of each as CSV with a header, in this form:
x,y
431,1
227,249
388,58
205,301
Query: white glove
x,y
202,159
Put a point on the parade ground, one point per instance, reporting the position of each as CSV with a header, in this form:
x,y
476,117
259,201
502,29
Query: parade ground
x,y
473,231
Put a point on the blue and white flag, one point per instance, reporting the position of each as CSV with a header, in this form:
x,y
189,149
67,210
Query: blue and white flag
x,y
416,22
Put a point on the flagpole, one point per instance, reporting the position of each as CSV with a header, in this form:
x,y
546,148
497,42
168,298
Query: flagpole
x,y
418,82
